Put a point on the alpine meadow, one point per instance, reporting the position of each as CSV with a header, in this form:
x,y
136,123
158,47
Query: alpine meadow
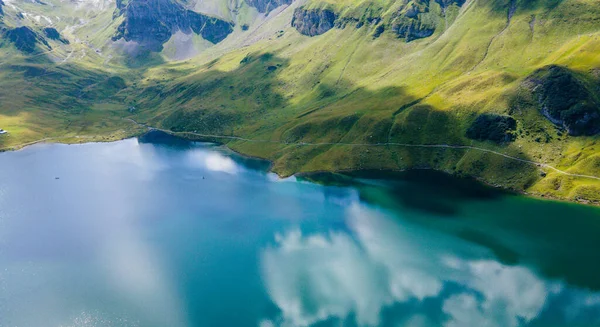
x,y
503,91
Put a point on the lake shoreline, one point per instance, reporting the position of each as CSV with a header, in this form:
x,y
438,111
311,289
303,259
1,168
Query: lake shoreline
x,y
68,140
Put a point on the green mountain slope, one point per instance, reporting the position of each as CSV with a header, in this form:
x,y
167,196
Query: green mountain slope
x,y
480,88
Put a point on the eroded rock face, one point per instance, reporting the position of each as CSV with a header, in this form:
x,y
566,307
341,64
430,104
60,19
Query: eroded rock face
x,y
414,20
25,39
313,22
565,100
265,6
151,23
413,30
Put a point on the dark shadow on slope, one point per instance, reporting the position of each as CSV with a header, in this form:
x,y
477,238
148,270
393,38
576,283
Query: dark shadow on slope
x,y
421,126
165,139
215,102
329,123
25,39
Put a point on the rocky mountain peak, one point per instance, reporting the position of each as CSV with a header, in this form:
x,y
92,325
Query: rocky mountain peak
x,y
151,23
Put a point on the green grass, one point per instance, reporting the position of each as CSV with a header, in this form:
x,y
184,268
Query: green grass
x,y
345,86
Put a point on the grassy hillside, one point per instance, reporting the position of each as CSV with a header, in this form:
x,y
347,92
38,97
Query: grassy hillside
x,y
367,97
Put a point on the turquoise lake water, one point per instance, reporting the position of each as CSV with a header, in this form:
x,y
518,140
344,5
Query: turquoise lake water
x,y
163,232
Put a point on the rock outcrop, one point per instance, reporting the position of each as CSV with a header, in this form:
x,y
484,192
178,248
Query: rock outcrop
x,y
151,23
413,30
565,100
25,39
495,128
414,20
265,6
313,22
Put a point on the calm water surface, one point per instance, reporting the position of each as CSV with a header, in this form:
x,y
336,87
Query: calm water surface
x,y
161,232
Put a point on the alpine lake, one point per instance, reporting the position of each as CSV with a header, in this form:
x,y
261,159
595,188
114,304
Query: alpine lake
x,y
159,231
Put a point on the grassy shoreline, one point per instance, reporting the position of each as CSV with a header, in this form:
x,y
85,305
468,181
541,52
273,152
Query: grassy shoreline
x,y
384,173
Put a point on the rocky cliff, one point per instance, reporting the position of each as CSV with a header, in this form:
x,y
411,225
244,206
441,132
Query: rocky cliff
x,y
265,6
313,22
413,20
564,99
151,23
416,19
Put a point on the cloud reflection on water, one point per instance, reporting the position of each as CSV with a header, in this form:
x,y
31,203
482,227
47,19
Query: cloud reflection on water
x,y
75,247
213,161
383,264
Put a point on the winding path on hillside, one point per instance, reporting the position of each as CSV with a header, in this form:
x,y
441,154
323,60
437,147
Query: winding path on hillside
x,y
408,145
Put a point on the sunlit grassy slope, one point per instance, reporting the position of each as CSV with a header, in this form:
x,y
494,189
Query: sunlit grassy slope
x,y
345,86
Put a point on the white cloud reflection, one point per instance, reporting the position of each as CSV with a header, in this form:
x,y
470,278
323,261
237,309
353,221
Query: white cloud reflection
x,y
143,159
314,278
212,161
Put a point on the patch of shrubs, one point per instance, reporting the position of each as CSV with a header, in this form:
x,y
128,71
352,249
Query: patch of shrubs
x,y
495,128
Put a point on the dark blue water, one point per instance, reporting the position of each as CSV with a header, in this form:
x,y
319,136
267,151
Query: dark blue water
x,y
149,233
